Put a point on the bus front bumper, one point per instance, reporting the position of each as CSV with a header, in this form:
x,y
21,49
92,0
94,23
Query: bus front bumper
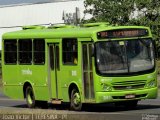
x,y
103,97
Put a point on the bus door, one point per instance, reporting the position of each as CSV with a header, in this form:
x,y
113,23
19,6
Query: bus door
x,y
88,82
53,62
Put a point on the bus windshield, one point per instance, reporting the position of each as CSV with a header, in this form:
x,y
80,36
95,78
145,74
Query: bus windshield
x,y
127,56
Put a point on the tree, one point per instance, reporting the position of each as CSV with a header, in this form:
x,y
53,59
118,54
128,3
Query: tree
x,y
109,10
126,12
149,15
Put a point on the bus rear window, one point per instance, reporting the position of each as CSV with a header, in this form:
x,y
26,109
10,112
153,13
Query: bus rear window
x,y
10,51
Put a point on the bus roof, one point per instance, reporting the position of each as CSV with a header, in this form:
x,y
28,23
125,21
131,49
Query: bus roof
x,y
61,32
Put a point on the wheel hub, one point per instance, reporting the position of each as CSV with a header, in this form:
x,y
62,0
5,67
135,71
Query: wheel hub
x,y
77,99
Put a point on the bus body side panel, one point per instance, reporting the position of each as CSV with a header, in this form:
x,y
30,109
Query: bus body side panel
x,y
70,74
36,74
12,86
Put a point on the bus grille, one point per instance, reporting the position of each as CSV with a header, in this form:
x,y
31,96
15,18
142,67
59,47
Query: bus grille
x,y
126,85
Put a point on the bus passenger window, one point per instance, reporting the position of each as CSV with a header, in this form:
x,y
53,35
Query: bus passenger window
x,y
39,51
70,51
25,51
10,51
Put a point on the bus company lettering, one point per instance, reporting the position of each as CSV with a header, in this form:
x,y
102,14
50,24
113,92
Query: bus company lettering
x,y
27,72
74,73
107,97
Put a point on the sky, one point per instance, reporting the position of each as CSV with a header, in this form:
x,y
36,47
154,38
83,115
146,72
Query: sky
x,y
10,2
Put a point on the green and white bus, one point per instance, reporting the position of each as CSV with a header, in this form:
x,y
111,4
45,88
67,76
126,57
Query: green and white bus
x,y
94,63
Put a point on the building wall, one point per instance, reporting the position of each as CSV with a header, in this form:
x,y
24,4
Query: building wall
x,y
35,14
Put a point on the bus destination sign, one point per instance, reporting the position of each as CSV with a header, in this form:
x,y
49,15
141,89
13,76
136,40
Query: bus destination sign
x,y
122,33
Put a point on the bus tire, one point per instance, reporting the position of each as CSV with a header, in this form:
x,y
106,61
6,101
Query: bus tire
x,y
30,97
75,101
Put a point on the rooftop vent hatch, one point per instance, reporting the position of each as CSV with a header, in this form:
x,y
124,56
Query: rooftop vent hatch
x,y
33,27
61,26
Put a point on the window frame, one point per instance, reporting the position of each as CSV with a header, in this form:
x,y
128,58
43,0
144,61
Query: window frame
x,y
25,51
8,51
72,52
38,51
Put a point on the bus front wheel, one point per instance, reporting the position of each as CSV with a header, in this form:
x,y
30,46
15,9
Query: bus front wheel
x,y
30,97
75,102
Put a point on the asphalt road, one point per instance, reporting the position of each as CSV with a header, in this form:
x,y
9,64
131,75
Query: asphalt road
x,y
146,110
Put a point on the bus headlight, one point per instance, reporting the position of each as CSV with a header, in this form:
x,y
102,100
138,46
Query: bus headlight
x,y
150,84
106,87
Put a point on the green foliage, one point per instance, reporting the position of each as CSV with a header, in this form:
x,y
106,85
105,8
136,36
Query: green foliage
x,y
121,12
111,11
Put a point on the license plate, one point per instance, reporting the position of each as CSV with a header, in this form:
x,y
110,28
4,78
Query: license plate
x,y
130,96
